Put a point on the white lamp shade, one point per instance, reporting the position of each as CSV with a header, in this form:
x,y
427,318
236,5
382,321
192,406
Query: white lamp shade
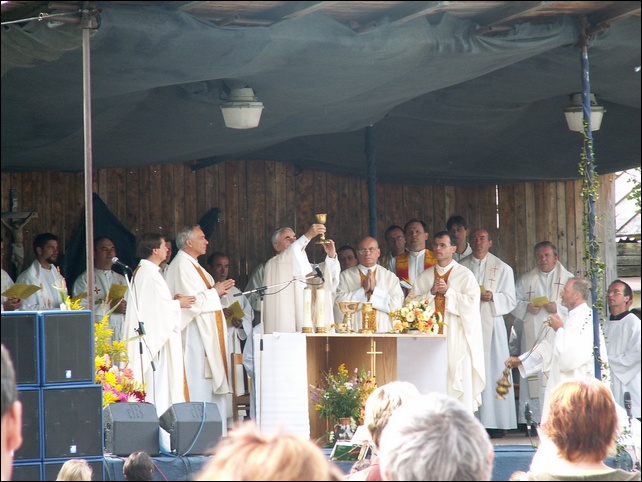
x,y
242,110
575,114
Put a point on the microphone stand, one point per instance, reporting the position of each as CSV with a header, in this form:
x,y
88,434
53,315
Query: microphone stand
x,y
528,415
261,290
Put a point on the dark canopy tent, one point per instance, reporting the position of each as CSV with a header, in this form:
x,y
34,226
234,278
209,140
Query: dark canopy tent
x,y
450,106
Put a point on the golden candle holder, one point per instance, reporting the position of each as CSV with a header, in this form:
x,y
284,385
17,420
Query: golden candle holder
x,y
368,319
321,219
503,385
321,329
306,329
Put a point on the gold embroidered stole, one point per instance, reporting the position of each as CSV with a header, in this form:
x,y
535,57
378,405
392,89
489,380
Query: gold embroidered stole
x,y
219,321
440,300
402,264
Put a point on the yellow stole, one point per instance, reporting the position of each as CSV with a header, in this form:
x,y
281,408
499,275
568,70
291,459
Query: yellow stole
x,y
402,264
440,300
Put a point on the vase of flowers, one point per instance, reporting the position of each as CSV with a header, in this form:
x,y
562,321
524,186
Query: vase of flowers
x,y
340,397
417,315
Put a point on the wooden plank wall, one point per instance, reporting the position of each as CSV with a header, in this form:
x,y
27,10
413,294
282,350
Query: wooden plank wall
x,y
256,197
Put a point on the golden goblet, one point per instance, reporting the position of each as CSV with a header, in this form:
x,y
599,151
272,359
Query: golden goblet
x,y
503,385
321,219
348,308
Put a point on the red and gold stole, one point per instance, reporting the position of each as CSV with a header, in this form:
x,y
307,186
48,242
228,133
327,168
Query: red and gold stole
x,y
440,300
402,264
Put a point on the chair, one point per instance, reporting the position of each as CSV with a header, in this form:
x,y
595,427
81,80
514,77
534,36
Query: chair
x,y
240,397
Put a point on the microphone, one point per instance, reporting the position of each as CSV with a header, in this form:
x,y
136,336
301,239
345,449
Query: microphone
x,y
319,274
627,404
115,260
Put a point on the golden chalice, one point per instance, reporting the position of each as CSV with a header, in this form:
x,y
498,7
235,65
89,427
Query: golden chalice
x,y
348,308
503,385
321,219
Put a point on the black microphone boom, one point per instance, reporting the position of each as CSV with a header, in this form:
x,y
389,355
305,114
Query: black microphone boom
x,y
628,404
115,260
319,273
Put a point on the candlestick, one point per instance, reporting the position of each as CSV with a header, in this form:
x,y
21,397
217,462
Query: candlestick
x,y
307,311
319,310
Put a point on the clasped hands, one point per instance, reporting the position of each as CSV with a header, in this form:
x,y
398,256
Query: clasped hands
x,y
440,287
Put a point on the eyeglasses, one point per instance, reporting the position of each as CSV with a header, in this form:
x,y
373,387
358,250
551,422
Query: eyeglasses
x,y
615,292
366,250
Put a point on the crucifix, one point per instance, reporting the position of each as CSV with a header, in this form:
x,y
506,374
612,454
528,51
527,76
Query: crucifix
x,y
493,271
15,221
559,285
530,292
373,355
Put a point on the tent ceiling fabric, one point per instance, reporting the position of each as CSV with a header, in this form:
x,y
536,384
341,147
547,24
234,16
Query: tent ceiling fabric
x,y
449,106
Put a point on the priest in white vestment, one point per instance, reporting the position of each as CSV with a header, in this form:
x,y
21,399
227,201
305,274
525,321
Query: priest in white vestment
x,y
497,298
239,327
623,338
410,263
538,296
453,290
153,306
44,273
370,282
104,278
566,353
203,324
285,275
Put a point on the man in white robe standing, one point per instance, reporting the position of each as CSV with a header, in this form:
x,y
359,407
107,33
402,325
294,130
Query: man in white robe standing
x,y
373,283
453,290
239,329
286,274
203,324
623,338
416,258
566,353
497,298
153,308
538,296
104,277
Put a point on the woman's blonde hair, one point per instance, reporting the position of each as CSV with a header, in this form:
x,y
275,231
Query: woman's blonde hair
x,y
75,469
247,454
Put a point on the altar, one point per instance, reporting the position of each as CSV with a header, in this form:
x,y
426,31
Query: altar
x,y
289,363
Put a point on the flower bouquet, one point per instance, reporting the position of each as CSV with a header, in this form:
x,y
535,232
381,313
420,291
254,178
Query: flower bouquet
x,y
342,396
417,315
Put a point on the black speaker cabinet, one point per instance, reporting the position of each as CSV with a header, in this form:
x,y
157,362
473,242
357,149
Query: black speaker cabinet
x,y
73,421
131,427
27,471
20,336
68,347
183,422
30,448
51,468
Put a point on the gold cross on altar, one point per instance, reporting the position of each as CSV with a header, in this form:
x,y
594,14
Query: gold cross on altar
x,y
373,352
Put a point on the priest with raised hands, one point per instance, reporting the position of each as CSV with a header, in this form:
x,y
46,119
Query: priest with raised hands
x,y
203,324
453,291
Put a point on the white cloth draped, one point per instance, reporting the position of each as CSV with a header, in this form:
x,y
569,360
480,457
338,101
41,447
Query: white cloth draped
x,y
387,295
466,370
47,298
497,277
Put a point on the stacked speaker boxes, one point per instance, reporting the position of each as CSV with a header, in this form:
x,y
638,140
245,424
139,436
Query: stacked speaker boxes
x,y
53,356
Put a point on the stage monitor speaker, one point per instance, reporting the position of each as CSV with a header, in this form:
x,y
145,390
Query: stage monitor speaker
x,y
68,347
183,422
29,471
73,421
52,468
30,448
20,336
131,427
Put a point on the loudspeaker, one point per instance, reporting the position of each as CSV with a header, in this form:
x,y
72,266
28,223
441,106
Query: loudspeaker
x,y
183,422
30,471
73,421
131,427
68,347
30,448
52,468
19,335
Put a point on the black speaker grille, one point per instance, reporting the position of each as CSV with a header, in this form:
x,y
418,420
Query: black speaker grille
x,y
68,347
19,335
131,427
73,422
51,469
183,422
26,472
30,448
